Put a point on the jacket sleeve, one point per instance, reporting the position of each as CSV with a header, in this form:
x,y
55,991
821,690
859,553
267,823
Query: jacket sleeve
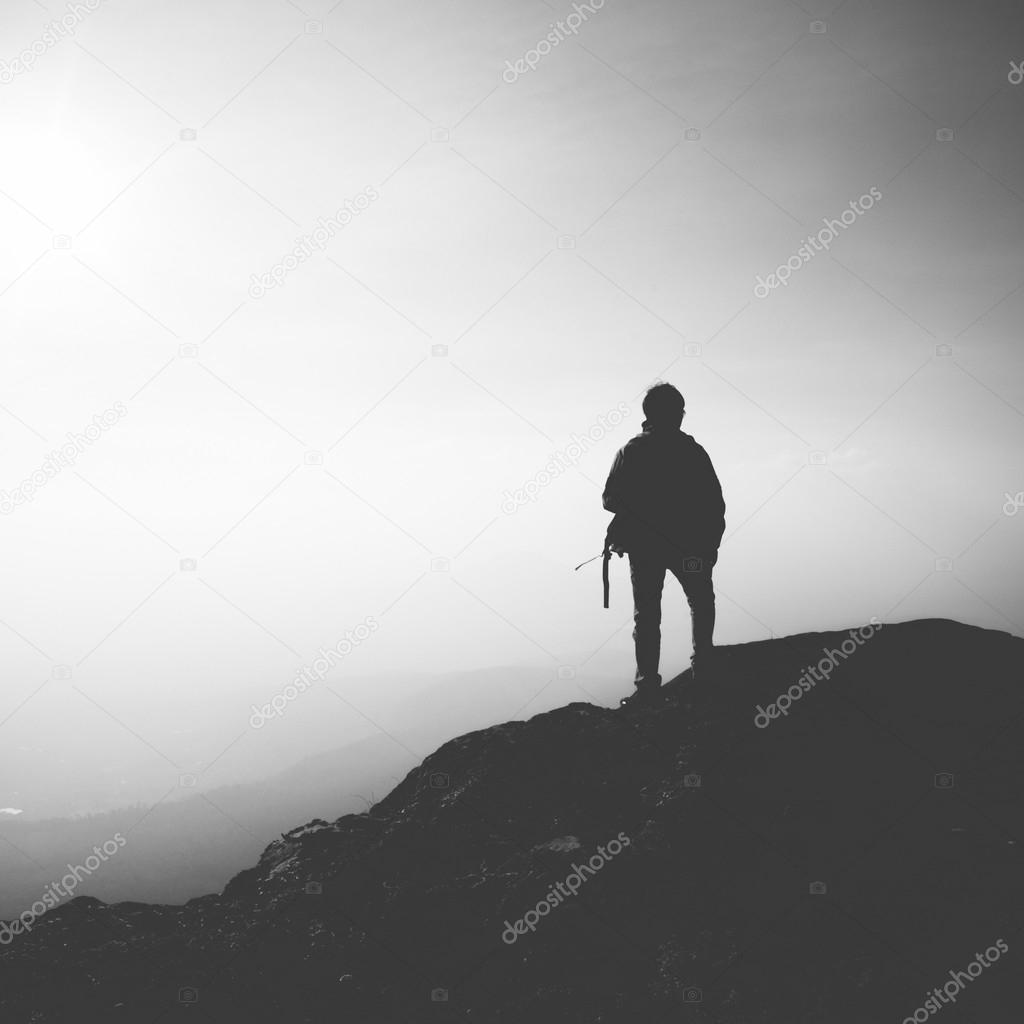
x,y
715,502
615,487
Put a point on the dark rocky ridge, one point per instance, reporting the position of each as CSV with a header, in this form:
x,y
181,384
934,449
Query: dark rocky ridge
x,y
707,915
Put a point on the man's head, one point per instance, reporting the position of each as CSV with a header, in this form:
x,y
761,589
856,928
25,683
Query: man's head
x,y
664,406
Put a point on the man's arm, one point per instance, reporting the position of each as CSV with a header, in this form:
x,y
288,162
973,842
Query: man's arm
x,y
715,502
614,488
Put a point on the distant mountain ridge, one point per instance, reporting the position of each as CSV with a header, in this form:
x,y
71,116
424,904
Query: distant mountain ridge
x,y
185,847
190,844
694,866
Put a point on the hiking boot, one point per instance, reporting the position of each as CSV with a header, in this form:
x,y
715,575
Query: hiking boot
x,y
643,697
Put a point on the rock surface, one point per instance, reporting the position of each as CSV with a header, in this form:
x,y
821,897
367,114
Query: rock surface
x,y
833,866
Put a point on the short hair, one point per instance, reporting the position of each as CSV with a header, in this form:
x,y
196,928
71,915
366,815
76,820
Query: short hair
x,y
664,404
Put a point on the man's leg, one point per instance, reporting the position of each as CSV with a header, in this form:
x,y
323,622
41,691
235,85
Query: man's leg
x,y
695,577
648,578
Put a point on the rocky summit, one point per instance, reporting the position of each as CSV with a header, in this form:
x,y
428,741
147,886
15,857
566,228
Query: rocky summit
x,y
825,829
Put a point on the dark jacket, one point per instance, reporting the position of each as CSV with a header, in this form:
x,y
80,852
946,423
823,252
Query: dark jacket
x,y
666,497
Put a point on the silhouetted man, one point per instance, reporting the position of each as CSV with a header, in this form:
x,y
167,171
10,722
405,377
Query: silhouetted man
x,y
669,516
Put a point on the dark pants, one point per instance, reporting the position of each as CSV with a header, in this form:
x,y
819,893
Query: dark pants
x,y
648,576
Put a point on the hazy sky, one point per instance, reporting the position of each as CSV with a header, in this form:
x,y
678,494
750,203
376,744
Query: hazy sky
x,y
533,251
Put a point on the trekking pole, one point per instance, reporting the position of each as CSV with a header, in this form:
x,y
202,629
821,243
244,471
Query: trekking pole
x,y
605,556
